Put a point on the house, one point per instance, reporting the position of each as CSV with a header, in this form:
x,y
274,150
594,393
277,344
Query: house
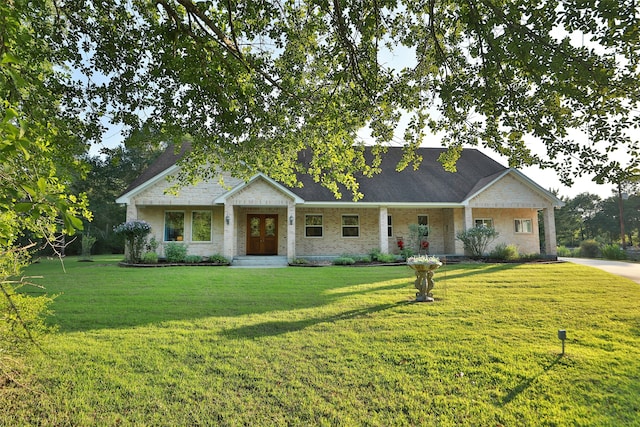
x,y
264,217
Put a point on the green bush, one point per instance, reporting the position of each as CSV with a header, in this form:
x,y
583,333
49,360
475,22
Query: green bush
x,y
505,252
192,259
387,258
476,240
217,258
135,235
150,258
374,254
613,252
564,251
364,259
406,253
343,260
589,249
175,252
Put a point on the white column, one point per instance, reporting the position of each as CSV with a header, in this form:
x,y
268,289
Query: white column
x,y
229,235
384,237
462,221
468,217
550,243
291,231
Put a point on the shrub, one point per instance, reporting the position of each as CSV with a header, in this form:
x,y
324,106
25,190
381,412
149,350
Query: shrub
x,y
476,240
505,252
150,258
613,252
564,251
135,233
300,261
192,259
374,254
589,249
364,259
217,258
387,258
175,252
406,253
87,243
344,260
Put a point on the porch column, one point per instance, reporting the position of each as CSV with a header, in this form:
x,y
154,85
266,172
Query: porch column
x,y
462,221
229,235
132,210
384,236
468,217
548,215
291,231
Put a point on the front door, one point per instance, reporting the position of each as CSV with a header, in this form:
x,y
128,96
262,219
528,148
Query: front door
x,y
262,234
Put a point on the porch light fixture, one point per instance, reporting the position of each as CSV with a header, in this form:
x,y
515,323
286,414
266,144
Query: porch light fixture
x,y
291,220
227,219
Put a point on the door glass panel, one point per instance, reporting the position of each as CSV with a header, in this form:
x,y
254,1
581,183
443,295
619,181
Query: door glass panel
x,y
270,227
255,227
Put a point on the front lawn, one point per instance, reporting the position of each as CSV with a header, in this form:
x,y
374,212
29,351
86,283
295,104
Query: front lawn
x,y
332,346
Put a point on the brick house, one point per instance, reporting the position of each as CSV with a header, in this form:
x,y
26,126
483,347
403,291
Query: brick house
x,y
263,217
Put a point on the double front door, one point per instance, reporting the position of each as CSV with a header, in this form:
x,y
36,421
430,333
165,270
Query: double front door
x,y
262,234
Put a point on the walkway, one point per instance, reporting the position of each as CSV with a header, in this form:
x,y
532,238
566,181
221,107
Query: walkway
x,y
624,269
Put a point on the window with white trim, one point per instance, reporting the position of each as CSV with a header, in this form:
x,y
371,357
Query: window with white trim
x,y
201,226
173,226
483,222
350,226
523,225
313,226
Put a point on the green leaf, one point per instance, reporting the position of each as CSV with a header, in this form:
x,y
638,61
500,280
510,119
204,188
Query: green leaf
x,y
23,207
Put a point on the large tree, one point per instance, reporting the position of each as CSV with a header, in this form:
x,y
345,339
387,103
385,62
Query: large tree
x,y
254,82
37,136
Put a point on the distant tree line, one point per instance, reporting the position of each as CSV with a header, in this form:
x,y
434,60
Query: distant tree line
x,y
104,177
589,217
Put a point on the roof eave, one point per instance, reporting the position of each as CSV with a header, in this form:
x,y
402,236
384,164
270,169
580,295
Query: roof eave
x,y
126,197
555,201
296,199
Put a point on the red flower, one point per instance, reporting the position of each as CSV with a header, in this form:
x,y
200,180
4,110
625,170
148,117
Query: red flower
x,y
425,244
401,244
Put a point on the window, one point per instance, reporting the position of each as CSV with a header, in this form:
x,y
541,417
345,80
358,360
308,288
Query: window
x,y
484,222
173,226
313,226
201,226
423,223
389,226
524,226
350,226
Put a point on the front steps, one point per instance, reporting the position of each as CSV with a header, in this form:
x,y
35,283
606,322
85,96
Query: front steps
x,y
260,261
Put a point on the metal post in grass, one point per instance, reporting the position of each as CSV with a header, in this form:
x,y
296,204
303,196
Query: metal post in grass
x,y
562,335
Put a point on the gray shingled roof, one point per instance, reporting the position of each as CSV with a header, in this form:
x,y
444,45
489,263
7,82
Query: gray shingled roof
x,y
430,183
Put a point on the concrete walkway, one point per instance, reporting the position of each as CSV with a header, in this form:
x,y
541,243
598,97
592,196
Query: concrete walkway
x,y
624,269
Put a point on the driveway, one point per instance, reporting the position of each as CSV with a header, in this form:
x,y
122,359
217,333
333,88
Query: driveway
x,y
624,269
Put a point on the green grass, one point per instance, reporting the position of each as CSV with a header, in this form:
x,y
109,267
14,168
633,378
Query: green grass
x,y
333,346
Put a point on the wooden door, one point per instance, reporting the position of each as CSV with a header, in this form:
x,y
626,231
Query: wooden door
x,y
262,234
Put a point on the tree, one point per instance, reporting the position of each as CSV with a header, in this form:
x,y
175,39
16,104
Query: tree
x,y
577,219
107,176
252,83
35,138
